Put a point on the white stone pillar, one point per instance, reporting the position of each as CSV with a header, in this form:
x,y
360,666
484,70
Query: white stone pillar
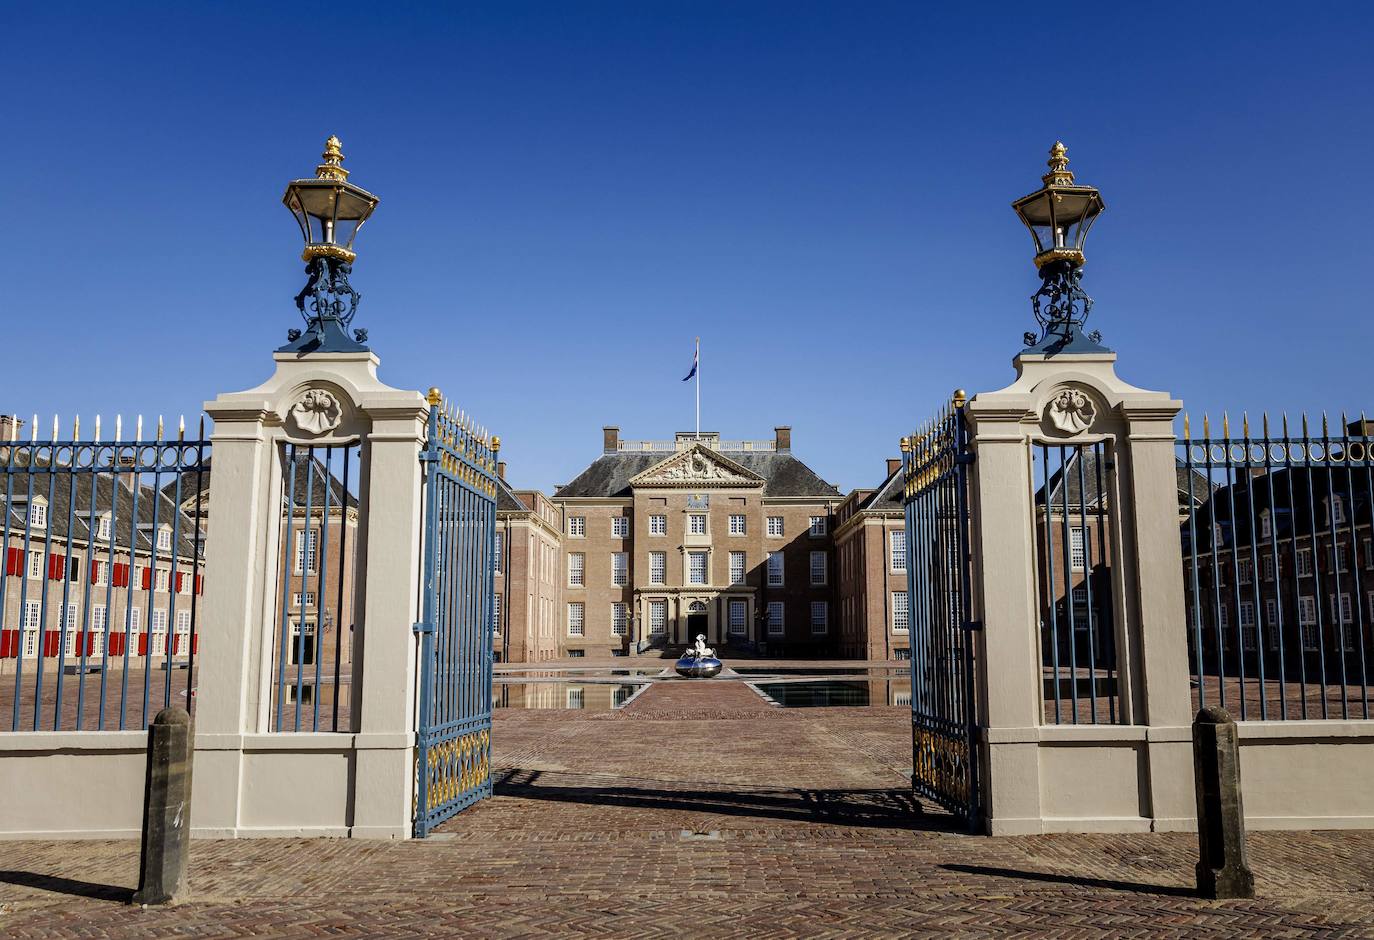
x,y
1038,776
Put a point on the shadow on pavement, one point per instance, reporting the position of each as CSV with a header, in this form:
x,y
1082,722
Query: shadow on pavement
x,y
1076,880
60,885
881,808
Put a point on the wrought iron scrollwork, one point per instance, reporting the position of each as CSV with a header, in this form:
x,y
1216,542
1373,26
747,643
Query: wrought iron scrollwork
x,y
327,293
1061,304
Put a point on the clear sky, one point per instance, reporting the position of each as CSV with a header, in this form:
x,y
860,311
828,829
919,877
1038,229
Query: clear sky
x,y
570,192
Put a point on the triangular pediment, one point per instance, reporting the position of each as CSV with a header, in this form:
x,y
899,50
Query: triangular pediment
x,y
697,466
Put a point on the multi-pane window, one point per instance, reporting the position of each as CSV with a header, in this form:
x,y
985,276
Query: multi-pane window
x,y
98,617
102,527
576,618
1304,562
776,627
696,568
775,526
1267,564
1307,618
1266,526
498,551
820,617
1243,567
658,567
897,550
577,563
164,578
32,610
1271,622
658,525
35,564
1247,625
1077,556
658,618
738,618
133,620
737,567
38,514
818,567
1338,556
306,543
620,527
303,599
577,526
775,569
619,619
1223,616
496,615
737,524
817,527
164,539
620,569
901,613
696,523
1341,610
183,621
1337,511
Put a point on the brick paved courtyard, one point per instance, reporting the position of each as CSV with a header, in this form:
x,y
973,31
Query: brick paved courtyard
x,y
698,810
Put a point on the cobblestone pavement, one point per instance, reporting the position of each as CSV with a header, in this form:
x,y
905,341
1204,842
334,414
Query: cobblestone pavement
x,y
658,821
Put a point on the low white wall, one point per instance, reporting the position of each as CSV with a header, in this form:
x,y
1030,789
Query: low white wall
x,y
1307,774
89,784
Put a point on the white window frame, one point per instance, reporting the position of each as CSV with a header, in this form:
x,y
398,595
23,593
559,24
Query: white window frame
x,y
620,569
1267,565
696,523
775,527
738,566
820,626
817,527
658,618
897,550
133,620
498,552
38,513
658,524
1304,563
577,569
161,579
901,612
1266,525
698,567
620,527
822,571
164,538
496,614
658,567
103,526
620,619
777,618
777,574
33,614
1337,511
577,618
577,527
1078,554
738,525
36,566
307,550
738,625
1245,570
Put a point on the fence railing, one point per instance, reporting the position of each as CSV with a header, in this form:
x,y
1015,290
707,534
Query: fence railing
x,y
103,545
1279,567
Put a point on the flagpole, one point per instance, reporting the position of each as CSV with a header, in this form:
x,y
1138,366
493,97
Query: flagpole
x,y
698,351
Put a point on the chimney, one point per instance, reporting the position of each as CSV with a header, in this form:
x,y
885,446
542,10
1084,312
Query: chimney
x,y
893,465
10,426
610,440
782,439
501,469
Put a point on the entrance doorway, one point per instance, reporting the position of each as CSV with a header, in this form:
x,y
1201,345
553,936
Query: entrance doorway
x,y
696,621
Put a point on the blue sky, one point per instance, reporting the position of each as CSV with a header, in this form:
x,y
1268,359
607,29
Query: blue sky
x,y
570,192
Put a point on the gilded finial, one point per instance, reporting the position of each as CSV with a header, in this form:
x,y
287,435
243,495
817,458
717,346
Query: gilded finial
x,y
1226,425
959,398
435,396
1059,173
496,443
1186,435
905,445
332,167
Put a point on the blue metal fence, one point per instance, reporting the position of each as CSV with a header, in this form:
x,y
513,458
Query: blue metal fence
x,y
943,712
453,746
103,547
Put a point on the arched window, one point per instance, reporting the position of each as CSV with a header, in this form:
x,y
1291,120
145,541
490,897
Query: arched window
x,y
696,607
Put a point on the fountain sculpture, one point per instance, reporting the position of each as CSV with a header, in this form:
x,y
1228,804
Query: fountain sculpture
x,y
699,661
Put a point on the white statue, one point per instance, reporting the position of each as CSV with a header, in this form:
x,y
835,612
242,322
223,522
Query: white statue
x,y
700,650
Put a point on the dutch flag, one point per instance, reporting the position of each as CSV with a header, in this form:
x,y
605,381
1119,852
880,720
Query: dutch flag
x,y
696,355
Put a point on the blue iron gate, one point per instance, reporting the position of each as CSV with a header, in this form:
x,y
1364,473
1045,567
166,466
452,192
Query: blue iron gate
x,y
453,746
943,714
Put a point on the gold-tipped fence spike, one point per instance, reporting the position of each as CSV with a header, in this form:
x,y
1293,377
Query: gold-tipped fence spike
x,y
1245,424
1206,426
1345,425
1185,427
1226,424
1326,431
96,435
1266,423
1304,425
1284,415
119,427
159,427
181,427
33,428
56,431
138,429
76,428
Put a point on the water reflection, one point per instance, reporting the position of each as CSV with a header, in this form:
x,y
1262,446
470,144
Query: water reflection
x,y
829,693
584,696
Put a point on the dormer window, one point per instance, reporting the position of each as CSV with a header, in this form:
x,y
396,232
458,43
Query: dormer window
x,y
164,538
38,514
1337,511
1266,525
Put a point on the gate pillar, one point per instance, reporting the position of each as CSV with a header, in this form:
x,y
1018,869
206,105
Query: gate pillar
x,y
1085,771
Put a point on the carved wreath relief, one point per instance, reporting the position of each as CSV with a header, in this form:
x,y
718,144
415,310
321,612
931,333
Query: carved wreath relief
x,y
317,412
1071,411
697,468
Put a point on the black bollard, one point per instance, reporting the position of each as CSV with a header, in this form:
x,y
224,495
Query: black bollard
x,y
166,809
1223,869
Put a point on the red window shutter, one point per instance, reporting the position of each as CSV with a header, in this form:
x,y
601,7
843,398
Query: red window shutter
x,y
146,578
195,643
14,561
121,575
93,575
57,566
52,643
143,644
9,644
180,575
116,644
200,584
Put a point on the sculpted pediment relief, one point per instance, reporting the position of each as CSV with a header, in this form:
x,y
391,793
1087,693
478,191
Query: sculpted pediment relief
x,y
698,466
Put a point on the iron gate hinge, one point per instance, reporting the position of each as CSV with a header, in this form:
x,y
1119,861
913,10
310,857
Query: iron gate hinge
x,y
422,627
